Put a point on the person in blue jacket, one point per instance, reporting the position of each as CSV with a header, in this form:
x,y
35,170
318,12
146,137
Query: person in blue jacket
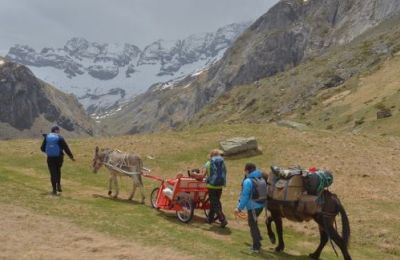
x,y
54,146
253,208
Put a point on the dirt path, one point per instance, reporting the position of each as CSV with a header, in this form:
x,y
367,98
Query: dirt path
x,y
28,235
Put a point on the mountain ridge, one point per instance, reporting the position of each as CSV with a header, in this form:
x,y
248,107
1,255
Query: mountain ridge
x,y
93,71
291,33
30,106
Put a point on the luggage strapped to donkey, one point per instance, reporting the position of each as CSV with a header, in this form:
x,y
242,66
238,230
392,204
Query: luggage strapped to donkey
x,y
120,164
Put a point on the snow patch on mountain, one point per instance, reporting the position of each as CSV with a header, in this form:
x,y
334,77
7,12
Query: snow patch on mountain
x,y
104,76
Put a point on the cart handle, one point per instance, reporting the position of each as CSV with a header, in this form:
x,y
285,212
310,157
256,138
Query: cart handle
x,y
157,178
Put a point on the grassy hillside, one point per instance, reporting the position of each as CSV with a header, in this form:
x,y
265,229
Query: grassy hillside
x,y
365,169
354,105
339,90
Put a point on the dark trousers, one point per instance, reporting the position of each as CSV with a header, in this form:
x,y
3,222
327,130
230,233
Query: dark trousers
x,y
252,216
215,203
54,164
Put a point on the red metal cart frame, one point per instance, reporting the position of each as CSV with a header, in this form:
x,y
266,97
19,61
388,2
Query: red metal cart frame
x,y
183,195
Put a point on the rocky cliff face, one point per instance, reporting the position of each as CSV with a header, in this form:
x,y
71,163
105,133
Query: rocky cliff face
x,y
291,33
90,70
28,105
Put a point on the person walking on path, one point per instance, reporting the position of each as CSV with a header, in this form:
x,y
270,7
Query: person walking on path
x,y
215,172
252,201
54,146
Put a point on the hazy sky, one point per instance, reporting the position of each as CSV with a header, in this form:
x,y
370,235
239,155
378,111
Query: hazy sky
x,y
51,22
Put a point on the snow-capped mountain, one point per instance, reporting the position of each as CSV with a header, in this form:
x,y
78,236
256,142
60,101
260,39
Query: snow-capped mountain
x,y
103,76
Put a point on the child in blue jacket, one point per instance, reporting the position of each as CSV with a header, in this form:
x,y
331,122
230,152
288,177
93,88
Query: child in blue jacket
x,y
253,208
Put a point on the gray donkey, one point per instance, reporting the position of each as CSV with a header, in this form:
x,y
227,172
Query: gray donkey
x,y
117,163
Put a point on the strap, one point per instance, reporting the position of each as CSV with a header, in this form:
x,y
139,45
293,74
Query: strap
x,y
286,189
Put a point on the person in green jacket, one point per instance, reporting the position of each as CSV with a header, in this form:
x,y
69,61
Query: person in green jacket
x,y
215,172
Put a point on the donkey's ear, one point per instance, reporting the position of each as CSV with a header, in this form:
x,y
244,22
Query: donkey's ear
x,y
97,149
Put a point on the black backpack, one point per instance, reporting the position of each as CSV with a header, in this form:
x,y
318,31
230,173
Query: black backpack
x,y
259,191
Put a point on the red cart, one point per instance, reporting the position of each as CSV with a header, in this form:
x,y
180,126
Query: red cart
x,y
183,195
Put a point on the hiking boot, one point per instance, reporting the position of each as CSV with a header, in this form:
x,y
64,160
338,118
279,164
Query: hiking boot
x,y
59,188
54,192
224,223
254,250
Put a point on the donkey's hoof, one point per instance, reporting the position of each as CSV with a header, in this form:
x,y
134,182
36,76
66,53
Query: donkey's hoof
x,y
142,202
272,239
109,193
313,256
279,248
130,198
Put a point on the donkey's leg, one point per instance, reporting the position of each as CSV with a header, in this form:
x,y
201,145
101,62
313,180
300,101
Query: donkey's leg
x,y
115,177
322,242
271,233
110,180
279,229
340,242
141,188
142,193
133,189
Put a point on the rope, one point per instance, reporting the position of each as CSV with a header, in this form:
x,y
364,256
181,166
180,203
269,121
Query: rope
x,y
334,249
324,180
115,168
324,218
329,235
120,163
240,215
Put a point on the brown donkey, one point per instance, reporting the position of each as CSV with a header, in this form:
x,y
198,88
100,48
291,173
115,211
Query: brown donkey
x,y
325,218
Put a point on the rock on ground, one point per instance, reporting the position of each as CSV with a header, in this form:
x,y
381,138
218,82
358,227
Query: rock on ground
x,y
238,145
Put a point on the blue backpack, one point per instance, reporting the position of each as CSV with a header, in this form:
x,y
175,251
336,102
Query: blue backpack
x,y
217,173
52,146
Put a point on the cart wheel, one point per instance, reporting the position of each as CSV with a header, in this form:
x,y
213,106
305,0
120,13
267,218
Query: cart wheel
x,y
207,211
153,198
186,214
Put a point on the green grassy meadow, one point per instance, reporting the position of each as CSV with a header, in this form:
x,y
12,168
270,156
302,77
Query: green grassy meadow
x,y
363,168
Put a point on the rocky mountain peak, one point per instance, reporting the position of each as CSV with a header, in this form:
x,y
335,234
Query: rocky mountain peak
x,y
291,33
90,69
25,100
76,46
295,30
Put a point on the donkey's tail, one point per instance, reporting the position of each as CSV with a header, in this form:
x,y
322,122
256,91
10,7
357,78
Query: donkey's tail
x,y
345,224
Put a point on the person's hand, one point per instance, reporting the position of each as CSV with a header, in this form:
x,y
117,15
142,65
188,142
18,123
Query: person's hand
x,y
237,210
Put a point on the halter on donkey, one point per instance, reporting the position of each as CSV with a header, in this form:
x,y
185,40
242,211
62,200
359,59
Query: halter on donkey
x,y
120,164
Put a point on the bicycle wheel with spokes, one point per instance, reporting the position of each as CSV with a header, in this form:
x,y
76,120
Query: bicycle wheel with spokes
x,y
186,213
153,198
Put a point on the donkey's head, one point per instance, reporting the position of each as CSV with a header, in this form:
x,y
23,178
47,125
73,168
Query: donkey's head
x,y
97,160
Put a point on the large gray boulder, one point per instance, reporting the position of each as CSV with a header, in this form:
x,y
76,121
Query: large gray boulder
x,y
239,145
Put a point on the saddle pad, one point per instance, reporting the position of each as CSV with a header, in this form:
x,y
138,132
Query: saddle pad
x,y
280,184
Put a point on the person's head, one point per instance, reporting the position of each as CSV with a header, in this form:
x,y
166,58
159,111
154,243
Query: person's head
x,y
55,129
215,152
249,168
